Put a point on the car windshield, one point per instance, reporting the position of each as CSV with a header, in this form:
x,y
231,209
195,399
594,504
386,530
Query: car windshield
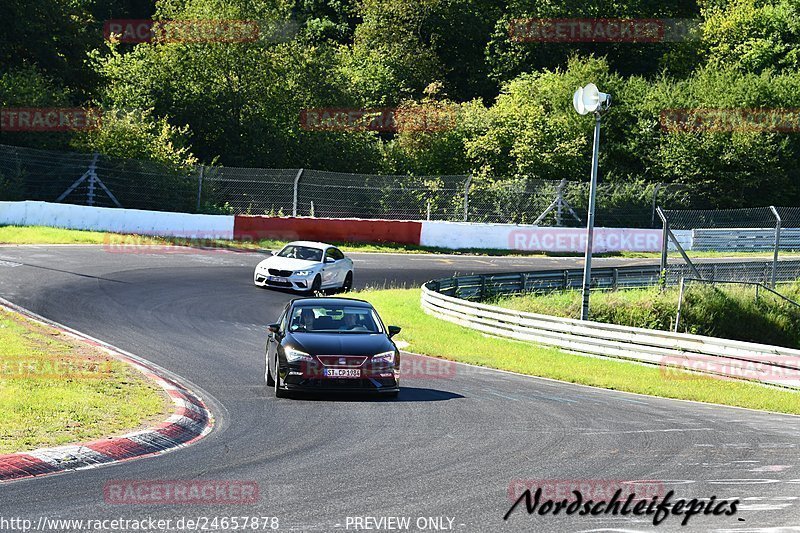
x,y
334,319
301,252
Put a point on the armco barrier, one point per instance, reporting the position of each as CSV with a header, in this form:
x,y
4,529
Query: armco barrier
x,y
744,239
767,364
326,229
29,213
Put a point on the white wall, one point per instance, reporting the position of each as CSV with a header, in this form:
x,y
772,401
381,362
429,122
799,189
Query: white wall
x,y
136,221
459,235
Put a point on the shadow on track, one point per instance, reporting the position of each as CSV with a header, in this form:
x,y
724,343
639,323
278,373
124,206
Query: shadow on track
x,y
407,394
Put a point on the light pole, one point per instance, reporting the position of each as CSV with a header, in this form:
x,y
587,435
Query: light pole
x,y
586,100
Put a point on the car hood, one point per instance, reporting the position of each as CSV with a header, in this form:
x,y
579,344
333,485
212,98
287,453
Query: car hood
x,y
287,263
340,343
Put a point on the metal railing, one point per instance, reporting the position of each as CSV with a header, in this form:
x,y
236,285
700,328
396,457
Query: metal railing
x,y
771,365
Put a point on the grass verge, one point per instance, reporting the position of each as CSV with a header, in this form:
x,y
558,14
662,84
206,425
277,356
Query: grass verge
x,y
431,336
56,390
714,311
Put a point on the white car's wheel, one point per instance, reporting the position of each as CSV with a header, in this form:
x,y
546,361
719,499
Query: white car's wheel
x,y
347,284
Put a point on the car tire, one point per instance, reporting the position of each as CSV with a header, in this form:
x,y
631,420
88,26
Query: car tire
x,y
268,377
316,285
279,392
347,284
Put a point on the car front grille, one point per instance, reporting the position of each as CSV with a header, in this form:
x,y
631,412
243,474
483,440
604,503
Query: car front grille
x,y
342,360
282,273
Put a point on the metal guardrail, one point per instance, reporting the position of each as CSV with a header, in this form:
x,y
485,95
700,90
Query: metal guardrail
x,y
767,364
485,286
482,287
744,239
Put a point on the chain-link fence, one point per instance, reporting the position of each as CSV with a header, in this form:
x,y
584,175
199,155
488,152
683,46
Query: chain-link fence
x,y
768,236
29,174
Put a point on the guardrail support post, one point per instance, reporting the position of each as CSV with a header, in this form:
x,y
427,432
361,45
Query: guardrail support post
x,y
483,287
777,245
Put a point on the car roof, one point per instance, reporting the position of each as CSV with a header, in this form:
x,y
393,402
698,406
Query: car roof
x,y
331,301
312,244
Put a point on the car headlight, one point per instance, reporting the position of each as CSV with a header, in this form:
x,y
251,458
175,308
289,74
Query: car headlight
x,y
303,272
293,355
385,357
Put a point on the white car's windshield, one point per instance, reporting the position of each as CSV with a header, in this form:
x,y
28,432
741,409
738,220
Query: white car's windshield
x,y
334,319
301,252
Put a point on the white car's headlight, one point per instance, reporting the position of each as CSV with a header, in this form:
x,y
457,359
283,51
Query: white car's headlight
x,y
385,357
303,272
293,355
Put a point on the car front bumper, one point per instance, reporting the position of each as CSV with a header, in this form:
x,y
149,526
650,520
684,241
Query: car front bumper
x,y
305,377
300,283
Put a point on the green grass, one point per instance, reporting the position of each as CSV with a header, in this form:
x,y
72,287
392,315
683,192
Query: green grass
x,y
431,336
56,390
715,311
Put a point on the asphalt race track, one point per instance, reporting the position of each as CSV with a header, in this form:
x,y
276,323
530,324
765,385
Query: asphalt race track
x,y
448,447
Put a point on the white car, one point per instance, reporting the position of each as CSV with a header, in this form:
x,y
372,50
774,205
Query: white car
x,y
306,266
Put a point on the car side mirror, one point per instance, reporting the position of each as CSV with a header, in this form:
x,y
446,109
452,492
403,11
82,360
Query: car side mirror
x,y
330,260
394,330
274,328
272,252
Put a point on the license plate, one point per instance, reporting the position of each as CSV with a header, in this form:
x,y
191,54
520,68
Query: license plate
x,y
342,372
276,279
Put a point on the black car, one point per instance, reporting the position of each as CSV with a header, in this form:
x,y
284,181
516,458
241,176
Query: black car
x,y
332,344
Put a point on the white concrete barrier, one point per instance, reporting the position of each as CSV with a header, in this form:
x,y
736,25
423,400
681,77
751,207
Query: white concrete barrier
x,y
458,235
136,221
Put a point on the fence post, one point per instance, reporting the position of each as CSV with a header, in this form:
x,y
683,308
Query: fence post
x,y
777,244
294,197
664,238
466,196
200,186
655,201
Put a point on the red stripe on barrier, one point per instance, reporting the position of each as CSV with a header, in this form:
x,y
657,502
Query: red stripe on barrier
x,y
15,466
120,448
326,229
